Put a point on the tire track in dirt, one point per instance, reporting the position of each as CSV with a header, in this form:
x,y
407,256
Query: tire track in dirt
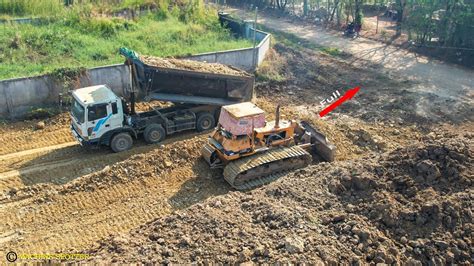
x,y
52,220
28,139
60,164
75,220
25,153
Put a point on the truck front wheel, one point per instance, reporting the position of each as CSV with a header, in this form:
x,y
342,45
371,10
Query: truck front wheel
x,y
154,133
205,121
121,142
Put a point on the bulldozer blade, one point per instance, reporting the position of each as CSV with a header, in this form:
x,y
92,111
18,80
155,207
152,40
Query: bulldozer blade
x,y
321,145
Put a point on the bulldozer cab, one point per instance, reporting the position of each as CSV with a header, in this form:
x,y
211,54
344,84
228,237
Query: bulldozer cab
x,y
242,118
243,129
235,131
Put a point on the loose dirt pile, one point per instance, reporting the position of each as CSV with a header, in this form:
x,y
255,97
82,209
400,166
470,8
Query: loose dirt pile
x,y
413,204
184,64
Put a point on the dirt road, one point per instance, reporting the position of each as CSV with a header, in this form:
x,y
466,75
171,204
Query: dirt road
x,y
453,85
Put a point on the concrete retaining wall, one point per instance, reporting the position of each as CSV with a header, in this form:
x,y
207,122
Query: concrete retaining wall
x,y
247,58
240,58
18,96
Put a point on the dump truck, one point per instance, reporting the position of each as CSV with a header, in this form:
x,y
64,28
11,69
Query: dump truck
x,y
251,151
102,118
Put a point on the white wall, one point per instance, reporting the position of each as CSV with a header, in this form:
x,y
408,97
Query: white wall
x,y
18,96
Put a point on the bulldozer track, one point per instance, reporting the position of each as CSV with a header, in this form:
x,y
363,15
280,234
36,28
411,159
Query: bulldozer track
x,y
260,169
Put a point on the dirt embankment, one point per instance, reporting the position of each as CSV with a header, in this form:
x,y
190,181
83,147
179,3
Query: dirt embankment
x,y
410,205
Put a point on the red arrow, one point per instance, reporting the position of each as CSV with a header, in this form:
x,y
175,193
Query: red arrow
x,y
347,96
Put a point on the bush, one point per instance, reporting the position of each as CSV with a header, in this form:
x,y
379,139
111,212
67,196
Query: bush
x,y
13,7
104,27
41,113
331,51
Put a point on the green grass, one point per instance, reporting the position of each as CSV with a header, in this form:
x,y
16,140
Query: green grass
x,y
31,7
27,50
332,51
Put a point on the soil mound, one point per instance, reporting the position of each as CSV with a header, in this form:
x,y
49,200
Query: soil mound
x,y
184,64
411,205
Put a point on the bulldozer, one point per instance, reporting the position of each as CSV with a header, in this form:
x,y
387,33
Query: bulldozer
x,y
254,152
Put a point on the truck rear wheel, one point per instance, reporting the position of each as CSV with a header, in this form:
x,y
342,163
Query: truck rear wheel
x,y
121,142
205,121
154,133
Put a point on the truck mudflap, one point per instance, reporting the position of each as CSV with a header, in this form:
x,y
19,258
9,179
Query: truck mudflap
x,y
321,145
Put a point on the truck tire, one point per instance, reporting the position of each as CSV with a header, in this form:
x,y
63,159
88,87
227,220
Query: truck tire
x,y
205,121
154,133
121,142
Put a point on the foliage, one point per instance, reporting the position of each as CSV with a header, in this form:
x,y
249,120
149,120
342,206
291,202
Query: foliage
x,y
273,68
41,113
68,76
78,38
332,51
447,24
31,7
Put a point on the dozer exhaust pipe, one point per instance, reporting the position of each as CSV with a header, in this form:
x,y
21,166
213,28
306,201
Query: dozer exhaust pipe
x,y
277,117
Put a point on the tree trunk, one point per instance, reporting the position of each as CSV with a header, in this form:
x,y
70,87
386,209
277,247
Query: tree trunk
x,y
357,13
305,7
336,4
400,8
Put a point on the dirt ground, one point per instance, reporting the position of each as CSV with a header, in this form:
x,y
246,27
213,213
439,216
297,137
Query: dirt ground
x,y
400,189
411,205
438,86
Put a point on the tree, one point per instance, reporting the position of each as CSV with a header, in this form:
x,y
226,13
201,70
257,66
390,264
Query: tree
x,y
281,4
400,5
358,12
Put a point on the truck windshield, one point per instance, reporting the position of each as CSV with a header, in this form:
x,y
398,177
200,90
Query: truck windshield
x,y
78,111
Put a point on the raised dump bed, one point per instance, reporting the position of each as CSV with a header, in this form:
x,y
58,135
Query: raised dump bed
x,y
187,81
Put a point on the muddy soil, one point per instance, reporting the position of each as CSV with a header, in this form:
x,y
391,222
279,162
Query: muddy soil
x,y
411,205
184,64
